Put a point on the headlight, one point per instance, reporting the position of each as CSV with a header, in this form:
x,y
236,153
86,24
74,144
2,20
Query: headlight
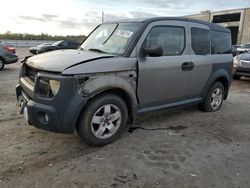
x,y
54,86
48,88
236,61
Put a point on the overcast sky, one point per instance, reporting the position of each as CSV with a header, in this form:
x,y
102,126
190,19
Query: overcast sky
x,y
76,17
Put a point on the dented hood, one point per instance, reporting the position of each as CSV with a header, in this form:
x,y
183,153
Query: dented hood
x,y
60,60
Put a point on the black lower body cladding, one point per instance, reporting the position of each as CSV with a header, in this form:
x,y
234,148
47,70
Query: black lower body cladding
x,y
57,115
220,72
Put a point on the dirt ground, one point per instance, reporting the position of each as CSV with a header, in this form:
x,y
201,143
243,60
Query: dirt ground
x,y
209,149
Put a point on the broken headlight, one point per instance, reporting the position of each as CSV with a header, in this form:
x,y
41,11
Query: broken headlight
x,y
54,86
47,87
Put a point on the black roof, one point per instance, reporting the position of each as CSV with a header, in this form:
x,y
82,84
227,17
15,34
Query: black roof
x,y
147,21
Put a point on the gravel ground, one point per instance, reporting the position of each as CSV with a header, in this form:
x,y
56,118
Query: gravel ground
x,y
208,149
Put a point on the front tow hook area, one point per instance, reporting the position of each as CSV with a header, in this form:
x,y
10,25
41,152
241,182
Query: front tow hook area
x,y
22,103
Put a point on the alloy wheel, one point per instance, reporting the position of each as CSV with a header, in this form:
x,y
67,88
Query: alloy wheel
x,y
1,64
106,121
216,98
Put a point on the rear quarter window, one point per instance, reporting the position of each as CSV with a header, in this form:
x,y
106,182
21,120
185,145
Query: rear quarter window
x,y
222,43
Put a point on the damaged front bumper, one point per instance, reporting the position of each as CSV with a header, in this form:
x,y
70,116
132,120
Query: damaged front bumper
x,y
58,114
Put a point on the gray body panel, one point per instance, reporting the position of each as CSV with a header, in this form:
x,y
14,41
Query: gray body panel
x,y
103,65
59,60
202,65
205,68
161,78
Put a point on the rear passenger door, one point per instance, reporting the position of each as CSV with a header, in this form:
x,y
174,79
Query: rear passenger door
x,y
162,79
201,57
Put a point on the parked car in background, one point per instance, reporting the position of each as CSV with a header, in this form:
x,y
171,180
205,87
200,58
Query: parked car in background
x,y
34,49
234,50
124,69
243,48
9,47
6,57
64,44
241,66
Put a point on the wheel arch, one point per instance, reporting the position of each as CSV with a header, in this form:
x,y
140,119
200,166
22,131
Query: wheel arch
x,y
4,62
125,96
225,83
218,76
1,57
124,88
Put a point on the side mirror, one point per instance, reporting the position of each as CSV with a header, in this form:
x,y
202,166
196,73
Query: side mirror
x,y
155,51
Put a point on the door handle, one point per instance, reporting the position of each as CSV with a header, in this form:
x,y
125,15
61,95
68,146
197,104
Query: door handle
x,y
187,66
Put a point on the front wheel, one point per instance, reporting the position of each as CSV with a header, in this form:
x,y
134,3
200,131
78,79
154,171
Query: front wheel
x,y
214,98
103,120
2,63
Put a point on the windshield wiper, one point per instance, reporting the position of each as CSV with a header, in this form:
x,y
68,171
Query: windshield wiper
x,y
97,50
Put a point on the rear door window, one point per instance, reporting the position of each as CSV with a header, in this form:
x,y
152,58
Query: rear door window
x,y
201,41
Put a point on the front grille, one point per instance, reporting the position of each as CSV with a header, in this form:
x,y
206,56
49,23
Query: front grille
x,y
245,63
30,73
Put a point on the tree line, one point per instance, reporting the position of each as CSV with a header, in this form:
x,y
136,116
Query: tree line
x,y
43,36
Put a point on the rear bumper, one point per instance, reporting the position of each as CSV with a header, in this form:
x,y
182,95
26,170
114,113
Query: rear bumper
x,y
11,60
59,115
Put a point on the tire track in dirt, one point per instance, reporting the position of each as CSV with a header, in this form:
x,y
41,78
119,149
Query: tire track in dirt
x,y
34,166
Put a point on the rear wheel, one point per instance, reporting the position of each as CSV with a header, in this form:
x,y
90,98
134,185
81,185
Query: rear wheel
x,y
103,120
236,77
214,98
2,63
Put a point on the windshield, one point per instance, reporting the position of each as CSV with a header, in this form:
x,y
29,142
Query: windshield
x,y
57,43
111,38
44,44
245,46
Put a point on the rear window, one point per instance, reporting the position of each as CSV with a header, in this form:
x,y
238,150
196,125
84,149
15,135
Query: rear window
x,y
222,43
201,42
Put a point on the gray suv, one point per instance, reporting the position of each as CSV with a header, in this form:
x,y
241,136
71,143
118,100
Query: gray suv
x,y
123,69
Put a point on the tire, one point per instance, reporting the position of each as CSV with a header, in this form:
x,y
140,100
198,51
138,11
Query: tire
x,y
2,63
236,77
103,120
214,98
